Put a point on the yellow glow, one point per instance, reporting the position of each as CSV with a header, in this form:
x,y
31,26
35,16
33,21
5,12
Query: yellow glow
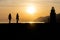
x,y
30,10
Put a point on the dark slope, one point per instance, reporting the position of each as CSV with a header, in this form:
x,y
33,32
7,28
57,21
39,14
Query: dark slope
x,y
47,19
36,27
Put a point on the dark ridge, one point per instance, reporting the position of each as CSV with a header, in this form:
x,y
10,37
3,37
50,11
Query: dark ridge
x,y
27,27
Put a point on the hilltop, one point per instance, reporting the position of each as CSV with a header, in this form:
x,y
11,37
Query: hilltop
x,y
34,27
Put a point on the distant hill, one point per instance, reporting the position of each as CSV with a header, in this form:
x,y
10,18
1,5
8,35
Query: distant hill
x,y
42,19
58,18
47,19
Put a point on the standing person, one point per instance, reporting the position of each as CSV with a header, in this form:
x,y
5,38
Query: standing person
x,y
17,18
53,15
9,17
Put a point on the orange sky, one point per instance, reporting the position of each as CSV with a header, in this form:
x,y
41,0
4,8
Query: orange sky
x,y
42,7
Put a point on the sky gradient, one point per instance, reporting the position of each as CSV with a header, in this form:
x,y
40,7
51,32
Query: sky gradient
x,y
42,7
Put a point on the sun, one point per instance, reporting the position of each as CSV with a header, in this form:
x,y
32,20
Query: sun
x,y
30,10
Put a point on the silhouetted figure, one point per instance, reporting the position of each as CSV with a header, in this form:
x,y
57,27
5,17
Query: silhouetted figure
x,y
9,17
52,16
17,18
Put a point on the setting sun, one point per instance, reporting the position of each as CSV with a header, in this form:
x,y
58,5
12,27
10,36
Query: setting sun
x,y
30,10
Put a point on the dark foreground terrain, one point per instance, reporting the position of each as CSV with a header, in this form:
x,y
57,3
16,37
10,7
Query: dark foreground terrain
x,y
16,31
29,27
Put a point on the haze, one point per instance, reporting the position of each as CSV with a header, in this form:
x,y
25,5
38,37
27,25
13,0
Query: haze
x,y
42,8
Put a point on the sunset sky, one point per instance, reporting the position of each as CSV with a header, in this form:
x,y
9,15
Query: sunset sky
x,y
28,10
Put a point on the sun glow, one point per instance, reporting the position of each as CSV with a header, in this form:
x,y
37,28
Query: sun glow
x,y
31,10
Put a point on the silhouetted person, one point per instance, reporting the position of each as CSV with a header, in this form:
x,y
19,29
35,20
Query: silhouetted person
x,y
53,16
17,18
9,17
